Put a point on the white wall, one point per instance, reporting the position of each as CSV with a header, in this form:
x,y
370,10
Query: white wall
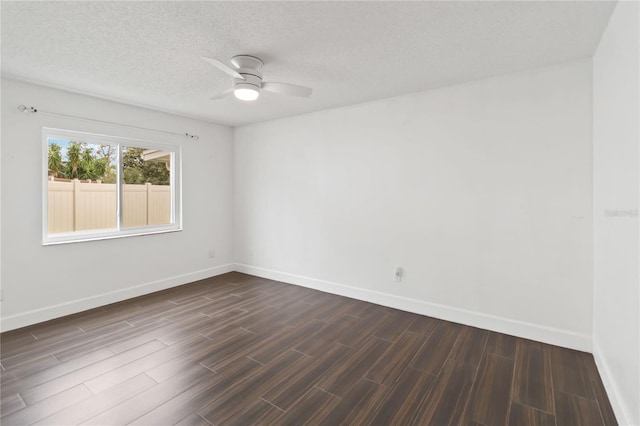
x,y
40,283
480,191
616,139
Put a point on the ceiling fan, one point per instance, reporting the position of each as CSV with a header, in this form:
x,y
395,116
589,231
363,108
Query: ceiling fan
x,y
247,79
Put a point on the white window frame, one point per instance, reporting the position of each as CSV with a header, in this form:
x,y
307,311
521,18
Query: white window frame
x,y
117,232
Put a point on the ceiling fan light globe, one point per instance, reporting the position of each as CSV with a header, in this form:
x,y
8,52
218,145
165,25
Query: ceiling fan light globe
x,y
246,92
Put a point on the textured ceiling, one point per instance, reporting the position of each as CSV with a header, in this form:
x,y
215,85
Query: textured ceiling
x,y
148,53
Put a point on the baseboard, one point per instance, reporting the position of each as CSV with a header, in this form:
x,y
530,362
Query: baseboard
x,y
622,412
50,312
540,333
509,326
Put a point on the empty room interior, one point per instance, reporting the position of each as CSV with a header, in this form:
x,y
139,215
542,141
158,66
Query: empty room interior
x,y
320,213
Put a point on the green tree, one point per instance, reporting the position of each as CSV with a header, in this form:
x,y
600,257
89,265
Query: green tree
x,y
54,159
156,173
138,171
87,161
74,154
91,167
107,154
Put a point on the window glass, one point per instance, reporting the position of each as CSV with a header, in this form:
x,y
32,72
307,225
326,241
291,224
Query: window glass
x,y
146,198
102,187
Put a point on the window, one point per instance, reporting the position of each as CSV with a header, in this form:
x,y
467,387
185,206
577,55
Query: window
x,y
100,187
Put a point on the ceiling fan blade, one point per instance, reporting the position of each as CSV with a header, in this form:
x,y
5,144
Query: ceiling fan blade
x,y
222,94
287,89
223,67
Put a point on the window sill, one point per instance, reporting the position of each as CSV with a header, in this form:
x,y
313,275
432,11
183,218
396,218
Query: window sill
x,y
80,237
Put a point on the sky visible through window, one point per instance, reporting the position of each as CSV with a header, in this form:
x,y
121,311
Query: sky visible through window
x,y
64,144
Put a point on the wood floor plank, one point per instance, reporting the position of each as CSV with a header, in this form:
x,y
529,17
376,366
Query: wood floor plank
x,y
57,333
424,325
466,422
118,314
320,298
348,373
501,344
360,331
320,312
144,363
38,364
570,372
359,406
140,334
11,403
231,403
360,309
470,345
181,405
52,387
236,277
279,317
153,315
313,407
315,344
393,328
258,413
606,411
174,332
175,366
242,319
258,298
574,409
284,340
532,383
403,401
434,353
47,407
221,304
152,398
39,375
232,349
222,291
396,359
56,346
34,364
446,402
196,307
29,340
221,323
491,396
193,420
102,338
234,377
522,415
286,393
93,406
16,339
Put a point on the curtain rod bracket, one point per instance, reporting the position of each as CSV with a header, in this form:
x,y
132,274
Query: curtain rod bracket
x,y
25,109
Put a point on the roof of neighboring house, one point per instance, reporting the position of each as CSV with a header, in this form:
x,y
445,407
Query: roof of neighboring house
x,y
156,155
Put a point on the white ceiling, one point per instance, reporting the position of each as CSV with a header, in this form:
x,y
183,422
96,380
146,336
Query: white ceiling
x,y
148,53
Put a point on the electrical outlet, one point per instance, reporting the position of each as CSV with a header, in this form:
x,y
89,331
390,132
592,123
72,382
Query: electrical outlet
x,y
212,253
398,272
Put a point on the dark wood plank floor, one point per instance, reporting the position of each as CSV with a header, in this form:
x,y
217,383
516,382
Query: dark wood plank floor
x,y
241,350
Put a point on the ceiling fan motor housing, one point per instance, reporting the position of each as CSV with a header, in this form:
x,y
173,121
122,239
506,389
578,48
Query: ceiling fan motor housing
x,y
246,72
249,79
248,67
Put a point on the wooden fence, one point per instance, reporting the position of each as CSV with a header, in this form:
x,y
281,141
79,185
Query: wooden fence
x,y
81,206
